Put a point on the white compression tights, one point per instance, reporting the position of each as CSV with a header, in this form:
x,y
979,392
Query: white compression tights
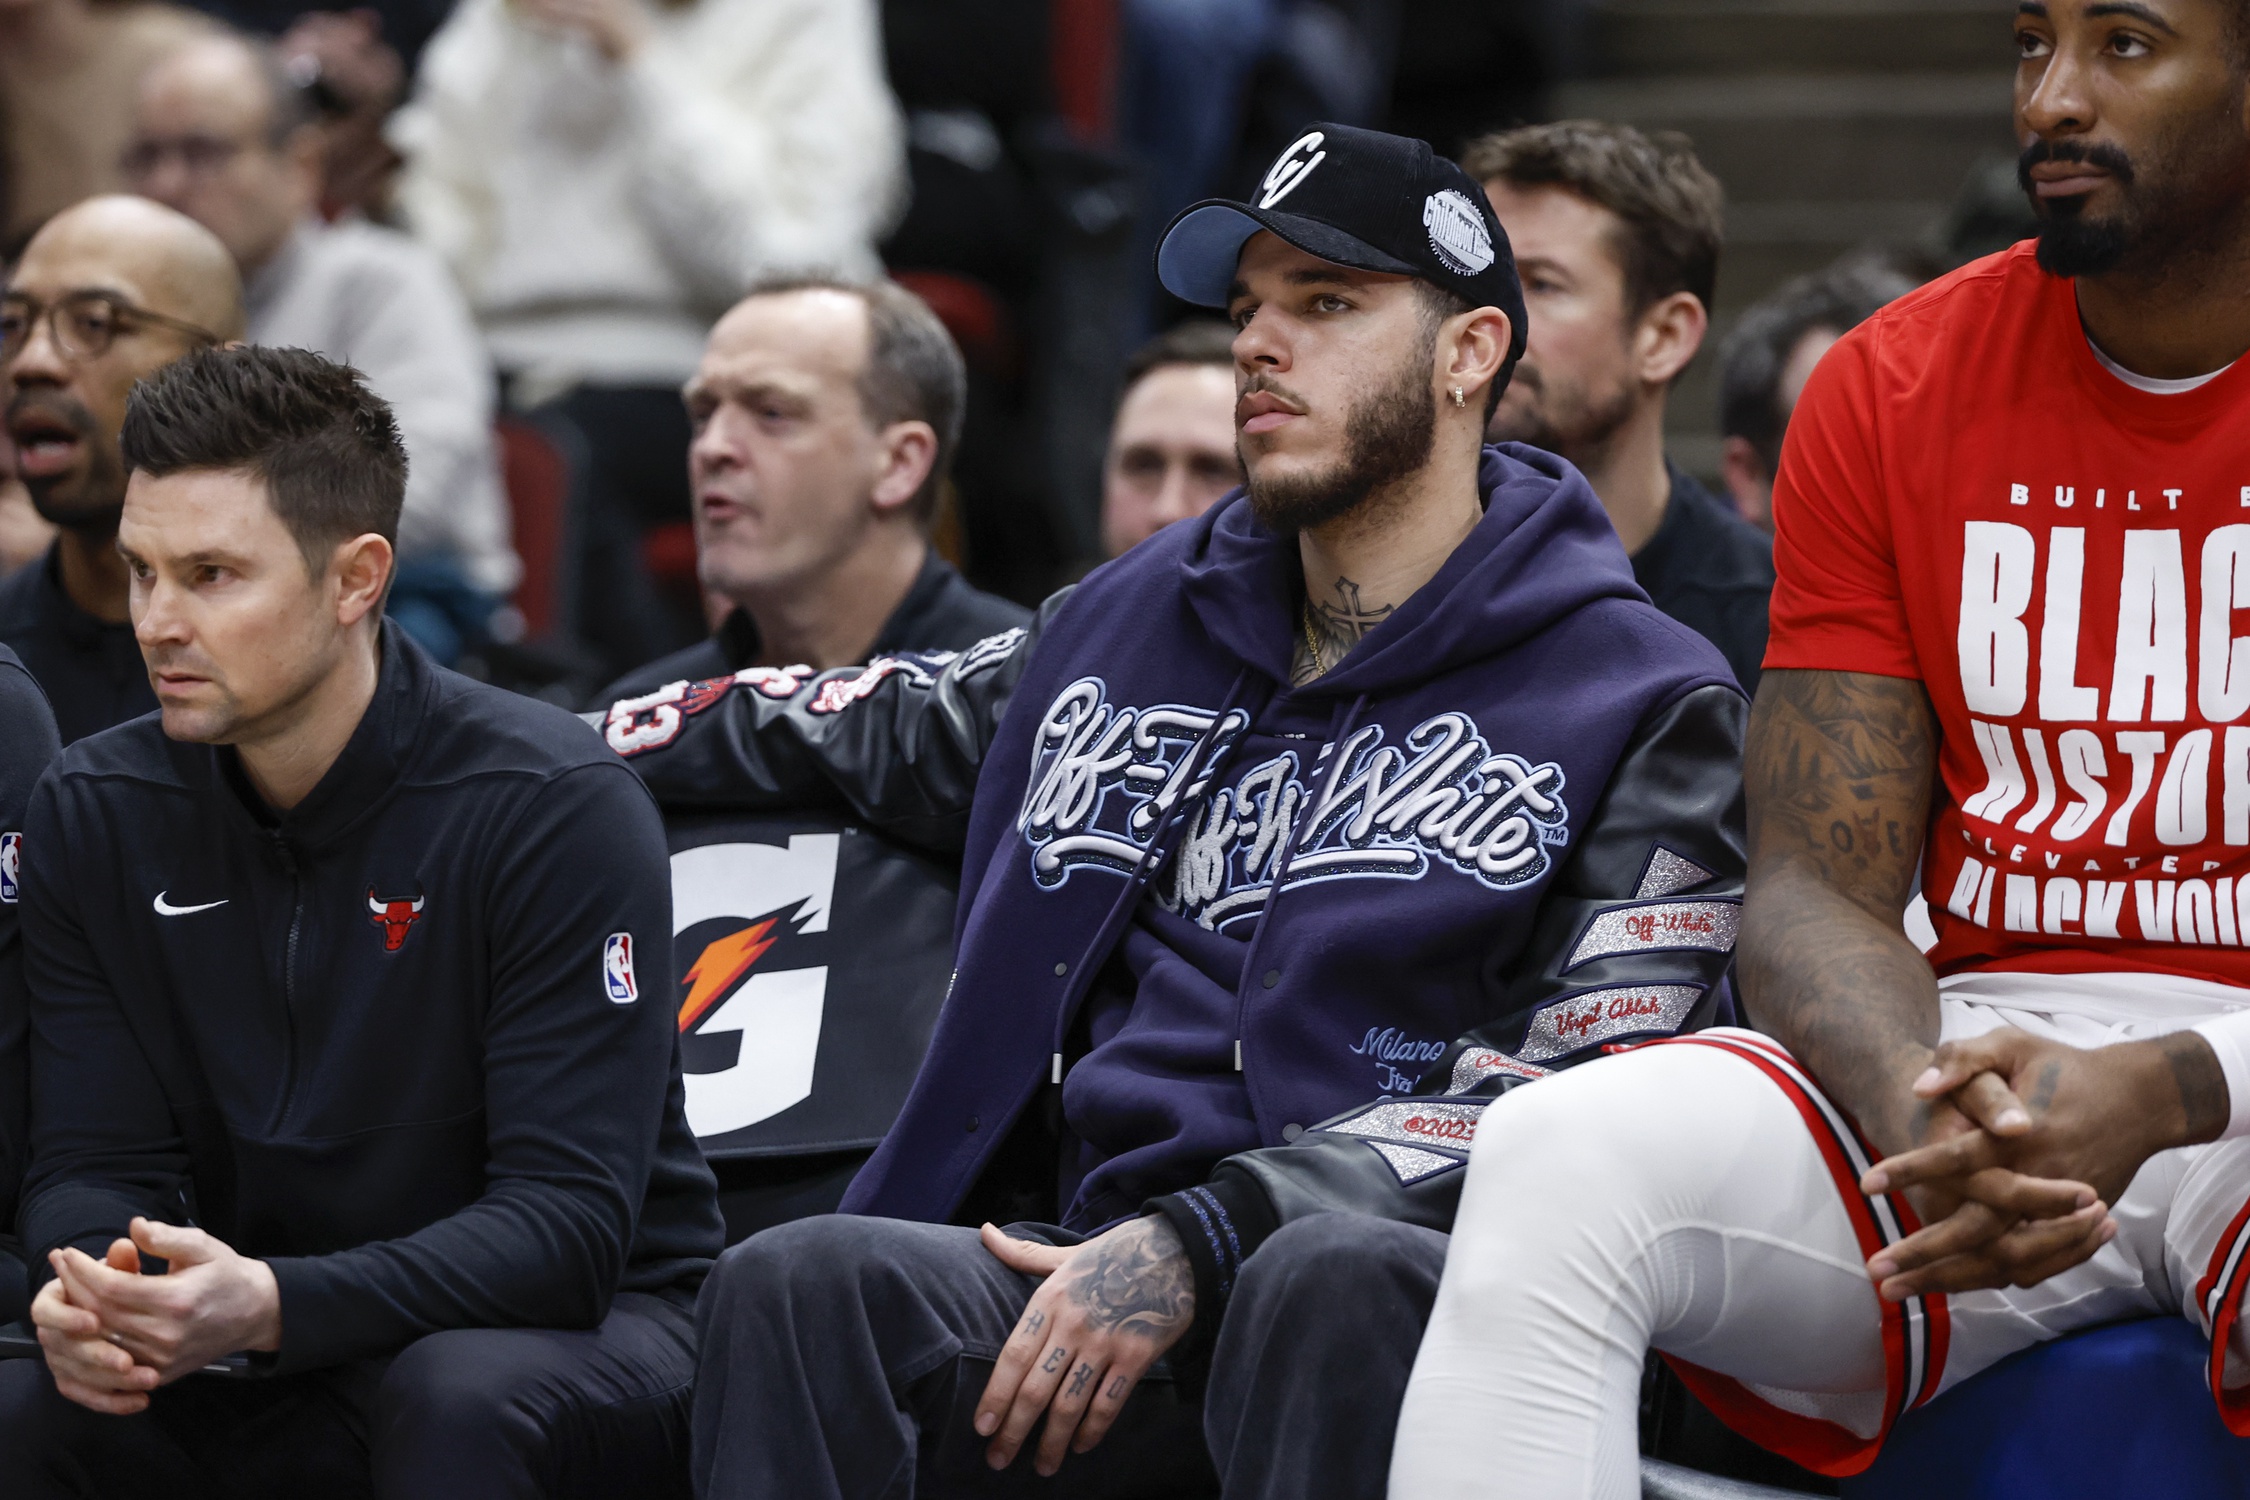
x,y
1667,1197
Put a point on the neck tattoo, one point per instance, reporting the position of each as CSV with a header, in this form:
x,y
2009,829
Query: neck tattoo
x,y
1332,629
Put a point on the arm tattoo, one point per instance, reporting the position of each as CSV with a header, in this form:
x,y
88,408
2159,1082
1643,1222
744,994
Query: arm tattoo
x,y
2203,1084
1055,1357
1137,1281
1839,773
1078,1380
1330,631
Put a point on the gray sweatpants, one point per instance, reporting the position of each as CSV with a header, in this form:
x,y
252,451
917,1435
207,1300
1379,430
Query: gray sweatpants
x,y
842,1359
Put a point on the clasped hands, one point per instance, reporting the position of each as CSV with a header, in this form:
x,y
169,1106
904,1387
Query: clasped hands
x,y
112,1335
2024,1143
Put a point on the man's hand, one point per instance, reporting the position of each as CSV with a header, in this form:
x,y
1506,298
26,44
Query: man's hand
x,y
1109,1310
2062,1131
210,1302
88,1368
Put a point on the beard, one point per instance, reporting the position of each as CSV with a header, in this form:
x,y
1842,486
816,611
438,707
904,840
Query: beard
x,y
1387,436
2173,196
91,501
1566,419
2071,243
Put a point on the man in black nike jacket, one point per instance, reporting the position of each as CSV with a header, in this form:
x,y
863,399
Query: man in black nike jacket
x,y
349,984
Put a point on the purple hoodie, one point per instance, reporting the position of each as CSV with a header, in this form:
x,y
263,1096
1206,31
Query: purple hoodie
x,y
1120,927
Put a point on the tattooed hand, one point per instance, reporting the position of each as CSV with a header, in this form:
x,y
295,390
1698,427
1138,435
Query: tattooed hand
x,y
2070,1120
1109,1310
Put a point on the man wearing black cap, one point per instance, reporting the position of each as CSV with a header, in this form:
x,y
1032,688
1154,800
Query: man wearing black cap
x,y
1374,791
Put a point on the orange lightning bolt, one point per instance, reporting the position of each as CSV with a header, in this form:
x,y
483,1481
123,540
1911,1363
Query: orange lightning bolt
x,y
719,966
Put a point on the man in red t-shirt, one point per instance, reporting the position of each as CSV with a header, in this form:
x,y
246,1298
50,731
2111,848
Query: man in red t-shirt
x,y
2010,660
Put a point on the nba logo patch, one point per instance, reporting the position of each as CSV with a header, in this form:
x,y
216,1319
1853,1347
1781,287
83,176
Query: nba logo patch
x,y
617,968
11,858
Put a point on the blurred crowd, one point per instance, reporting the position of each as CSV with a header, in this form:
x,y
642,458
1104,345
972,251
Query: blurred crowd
x,y
526,221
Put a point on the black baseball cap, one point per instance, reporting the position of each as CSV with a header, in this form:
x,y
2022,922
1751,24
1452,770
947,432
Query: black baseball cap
x,y
1359,198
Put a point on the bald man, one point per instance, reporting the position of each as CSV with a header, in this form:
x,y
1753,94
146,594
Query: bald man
x,y
108,291
223,135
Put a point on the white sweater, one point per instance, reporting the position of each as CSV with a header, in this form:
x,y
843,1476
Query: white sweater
x,y
601,215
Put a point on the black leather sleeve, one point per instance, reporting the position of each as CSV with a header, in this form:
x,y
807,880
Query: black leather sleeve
x,y
898,741
1634,937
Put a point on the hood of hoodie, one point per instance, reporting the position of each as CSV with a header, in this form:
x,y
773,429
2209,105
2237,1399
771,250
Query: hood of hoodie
x,y
1544,549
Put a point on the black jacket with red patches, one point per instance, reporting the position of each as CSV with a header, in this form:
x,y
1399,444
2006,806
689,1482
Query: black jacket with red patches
x,y
410,1042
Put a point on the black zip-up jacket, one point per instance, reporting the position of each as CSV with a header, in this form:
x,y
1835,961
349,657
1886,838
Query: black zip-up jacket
x,y
27,744
412,1042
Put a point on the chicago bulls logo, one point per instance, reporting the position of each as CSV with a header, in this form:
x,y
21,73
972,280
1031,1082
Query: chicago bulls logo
x,y
396,918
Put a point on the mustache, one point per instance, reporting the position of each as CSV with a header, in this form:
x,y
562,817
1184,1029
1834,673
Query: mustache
x,y
1266,384
2109,158
53,404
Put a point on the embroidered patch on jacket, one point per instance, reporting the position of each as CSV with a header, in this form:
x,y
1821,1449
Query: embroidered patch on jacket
x,y
1667,873
1447,1125
1380,804
1479,1063
1411,1163
1655,926
1579,1021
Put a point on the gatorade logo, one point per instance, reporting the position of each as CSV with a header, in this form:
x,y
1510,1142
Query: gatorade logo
x,y
1292,167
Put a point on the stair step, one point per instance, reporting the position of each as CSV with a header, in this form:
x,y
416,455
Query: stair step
x,y
1769,36
1863,138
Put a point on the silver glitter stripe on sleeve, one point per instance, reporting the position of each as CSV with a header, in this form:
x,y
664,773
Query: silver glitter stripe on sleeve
x,y
1416,1122
1596,1016
1413,1165
1653,926
1479,1063
1668,872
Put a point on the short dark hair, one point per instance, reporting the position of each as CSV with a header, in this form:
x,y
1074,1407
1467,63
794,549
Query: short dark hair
x,y
1198,341
326,446
914,370
1754,354
1672,208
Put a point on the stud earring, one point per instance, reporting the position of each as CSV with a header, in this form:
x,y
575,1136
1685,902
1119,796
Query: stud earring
x,y
1457,396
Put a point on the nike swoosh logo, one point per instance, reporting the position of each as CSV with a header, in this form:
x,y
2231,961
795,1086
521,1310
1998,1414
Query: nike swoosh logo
x,y
165,908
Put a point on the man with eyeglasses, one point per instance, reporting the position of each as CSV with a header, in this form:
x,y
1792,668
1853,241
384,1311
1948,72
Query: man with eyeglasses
x,y
107,292
224,134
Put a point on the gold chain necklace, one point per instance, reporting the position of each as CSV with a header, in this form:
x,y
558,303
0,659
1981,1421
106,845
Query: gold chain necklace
x,y
1312,643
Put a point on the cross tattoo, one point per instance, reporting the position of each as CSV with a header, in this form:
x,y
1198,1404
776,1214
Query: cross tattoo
x,y
1348,619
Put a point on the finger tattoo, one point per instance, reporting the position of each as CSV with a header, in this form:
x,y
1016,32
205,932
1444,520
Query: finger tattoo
x,y
1117,1388
1055,1359
1033,1321
1078,1381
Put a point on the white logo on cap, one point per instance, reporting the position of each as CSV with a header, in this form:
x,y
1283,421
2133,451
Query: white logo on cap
x,y
1292,167
1457,232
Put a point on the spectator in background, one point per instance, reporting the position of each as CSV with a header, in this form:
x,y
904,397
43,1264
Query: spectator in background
x,y
1765,361
356,78
109,291
1171,449
67,72
1617,237
606,176
825,414
226,138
